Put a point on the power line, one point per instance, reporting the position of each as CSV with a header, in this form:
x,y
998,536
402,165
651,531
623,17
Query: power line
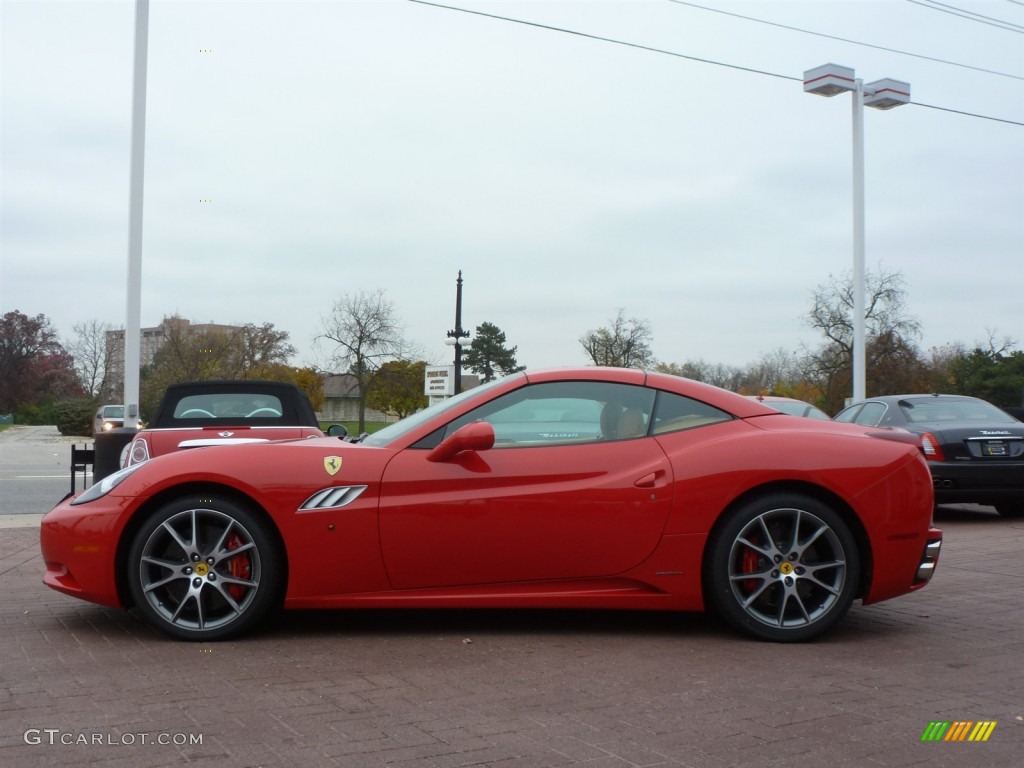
x,y
969,15
599,38
968,114
675,54
1015,26
848,40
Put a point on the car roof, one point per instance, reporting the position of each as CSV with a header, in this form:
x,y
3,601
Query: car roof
x,y
737,405
297,409
936,395
231,385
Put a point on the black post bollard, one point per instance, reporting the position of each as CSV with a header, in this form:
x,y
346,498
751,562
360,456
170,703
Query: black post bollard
x,y
108,451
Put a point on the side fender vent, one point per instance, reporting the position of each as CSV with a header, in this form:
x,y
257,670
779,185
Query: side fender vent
x,y
332,498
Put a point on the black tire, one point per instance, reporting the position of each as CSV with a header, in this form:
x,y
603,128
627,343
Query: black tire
x,y
205,568
1010,509
783,567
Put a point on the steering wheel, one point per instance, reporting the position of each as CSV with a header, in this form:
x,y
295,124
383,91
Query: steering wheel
x,y
192,413
263,412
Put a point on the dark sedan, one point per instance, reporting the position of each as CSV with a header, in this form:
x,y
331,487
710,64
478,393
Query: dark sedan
x,y
975,450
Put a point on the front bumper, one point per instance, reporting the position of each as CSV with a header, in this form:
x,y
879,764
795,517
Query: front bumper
x,y
79,548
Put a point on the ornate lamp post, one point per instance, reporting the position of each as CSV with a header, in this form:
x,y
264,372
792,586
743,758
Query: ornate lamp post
x,y
458,338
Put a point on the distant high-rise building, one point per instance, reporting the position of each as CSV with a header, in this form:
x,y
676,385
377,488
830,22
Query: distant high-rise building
x,y
152,339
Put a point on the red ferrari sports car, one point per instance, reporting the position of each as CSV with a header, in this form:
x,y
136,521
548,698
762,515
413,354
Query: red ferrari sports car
x,y
581,488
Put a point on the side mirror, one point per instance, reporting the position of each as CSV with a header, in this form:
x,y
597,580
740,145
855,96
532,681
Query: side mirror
x,y
475,436
337,430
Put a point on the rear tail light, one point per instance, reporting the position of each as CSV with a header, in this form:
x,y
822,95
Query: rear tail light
x,y
931,448
138,452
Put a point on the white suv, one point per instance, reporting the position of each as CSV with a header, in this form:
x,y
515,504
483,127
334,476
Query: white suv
x,y
108,417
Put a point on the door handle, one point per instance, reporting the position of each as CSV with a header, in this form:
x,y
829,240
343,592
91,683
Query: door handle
x,y
649,480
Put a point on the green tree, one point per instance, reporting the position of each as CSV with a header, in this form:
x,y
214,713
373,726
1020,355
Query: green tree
x,y
622,344
306,379
995,373
35,370
397,388
489,357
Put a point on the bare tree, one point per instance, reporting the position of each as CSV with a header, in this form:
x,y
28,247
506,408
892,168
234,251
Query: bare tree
x,y
717,374
893,363
623,344
367,334
94,354
260,348
771,372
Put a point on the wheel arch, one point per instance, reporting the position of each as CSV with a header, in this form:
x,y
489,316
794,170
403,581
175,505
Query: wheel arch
x,y
152,504
817,492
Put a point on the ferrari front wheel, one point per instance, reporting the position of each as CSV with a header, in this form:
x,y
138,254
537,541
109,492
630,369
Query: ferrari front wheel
x,y
205,569
783,568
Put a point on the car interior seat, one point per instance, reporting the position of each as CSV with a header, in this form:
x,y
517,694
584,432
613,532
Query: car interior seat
x,y
631,424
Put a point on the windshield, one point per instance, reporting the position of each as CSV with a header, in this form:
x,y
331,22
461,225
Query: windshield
x,y
951,410
399,428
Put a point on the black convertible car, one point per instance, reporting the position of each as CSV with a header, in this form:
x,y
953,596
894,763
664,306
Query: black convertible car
x,y
975,450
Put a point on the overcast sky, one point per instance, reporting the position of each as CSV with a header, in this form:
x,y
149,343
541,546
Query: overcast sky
x,y
351,146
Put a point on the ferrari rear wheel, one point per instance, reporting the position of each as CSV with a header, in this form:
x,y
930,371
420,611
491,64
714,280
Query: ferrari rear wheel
x,y
783,567
205,569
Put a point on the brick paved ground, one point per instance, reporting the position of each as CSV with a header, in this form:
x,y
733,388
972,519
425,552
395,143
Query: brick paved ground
x,y
523,689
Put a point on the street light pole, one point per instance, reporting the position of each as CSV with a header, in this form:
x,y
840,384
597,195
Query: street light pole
x,y
829,80
458,338
133,310
860,369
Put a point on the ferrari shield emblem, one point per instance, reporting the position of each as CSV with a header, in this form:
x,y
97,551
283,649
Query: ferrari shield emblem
x,y
332,464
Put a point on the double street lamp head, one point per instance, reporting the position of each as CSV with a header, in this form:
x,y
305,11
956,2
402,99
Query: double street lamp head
x,y
462,341
829,80
833,79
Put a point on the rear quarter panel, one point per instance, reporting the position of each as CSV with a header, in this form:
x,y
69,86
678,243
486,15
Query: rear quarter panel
x,y
884,484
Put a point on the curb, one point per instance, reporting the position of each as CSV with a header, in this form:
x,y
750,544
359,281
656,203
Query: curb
x,y
20,521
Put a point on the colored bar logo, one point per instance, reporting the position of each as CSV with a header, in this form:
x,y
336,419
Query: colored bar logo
x,y
958,730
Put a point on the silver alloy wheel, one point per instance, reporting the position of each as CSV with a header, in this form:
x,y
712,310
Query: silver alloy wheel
x,y
787,568
199,570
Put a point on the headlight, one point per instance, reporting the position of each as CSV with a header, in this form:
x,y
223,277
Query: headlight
x,y
106,485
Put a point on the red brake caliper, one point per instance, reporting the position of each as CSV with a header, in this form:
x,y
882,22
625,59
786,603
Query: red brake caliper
x,y
240,567
749,565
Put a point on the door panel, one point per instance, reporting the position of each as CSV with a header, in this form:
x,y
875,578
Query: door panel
x,y
524,513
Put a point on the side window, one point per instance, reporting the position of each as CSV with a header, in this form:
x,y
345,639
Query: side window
x,y
565,412
871,414
675,412
849,415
